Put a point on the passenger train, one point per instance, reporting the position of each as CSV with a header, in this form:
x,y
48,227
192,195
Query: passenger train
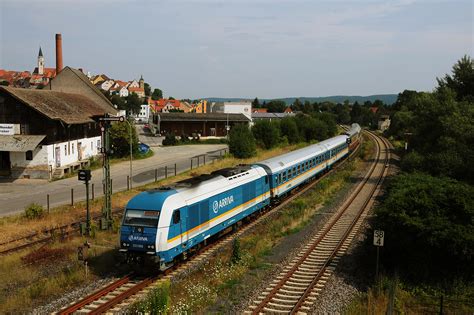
x,y
167,223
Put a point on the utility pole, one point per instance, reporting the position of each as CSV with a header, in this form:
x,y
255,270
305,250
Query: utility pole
x,y
106,221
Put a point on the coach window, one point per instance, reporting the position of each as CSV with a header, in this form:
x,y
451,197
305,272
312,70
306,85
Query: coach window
x,y
176,216
284,176
299,169
279,178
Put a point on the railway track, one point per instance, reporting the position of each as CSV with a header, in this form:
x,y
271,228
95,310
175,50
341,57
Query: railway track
x,y
297,287
119,294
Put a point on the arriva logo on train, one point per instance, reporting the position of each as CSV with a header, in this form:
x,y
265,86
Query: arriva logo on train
x,y
216,205
137,238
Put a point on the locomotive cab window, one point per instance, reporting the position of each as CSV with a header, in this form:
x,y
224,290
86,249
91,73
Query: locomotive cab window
x,y
176,216
266,179
141,218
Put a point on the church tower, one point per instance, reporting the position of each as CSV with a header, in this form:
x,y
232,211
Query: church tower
x,y
40,62
142,82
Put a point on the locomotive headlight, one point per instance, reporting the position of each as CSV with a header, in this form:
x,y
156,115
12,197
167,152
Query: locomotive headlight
x,y
125,244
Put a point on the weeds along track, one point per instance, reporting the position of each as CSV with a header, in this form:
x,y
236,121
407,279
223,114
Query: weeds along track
x,y
118,295
297,287
46,236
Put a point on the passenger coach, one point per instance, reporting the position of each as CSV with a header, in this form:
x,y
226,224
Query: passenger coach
x,y
289,170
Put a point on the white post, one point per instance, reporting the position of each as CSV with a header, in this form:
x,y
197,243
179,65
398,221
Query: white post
x,y
131,151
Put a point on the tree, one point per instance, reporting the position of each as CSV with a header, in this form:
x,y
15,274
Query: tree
x,y
462,79
120,139
276,106
147,89
266,133
157,94
289,129
4,83
171,98
307,108
428,223
297,106
256,103
118,101
133,103
241,142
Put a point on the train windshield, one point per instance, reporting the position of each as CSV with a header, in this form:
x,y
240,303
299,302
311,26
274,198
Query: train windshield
x,y
147,218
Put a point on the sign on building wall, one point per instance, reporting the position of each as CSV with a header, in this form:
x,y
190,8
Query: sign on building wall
x,y
7,129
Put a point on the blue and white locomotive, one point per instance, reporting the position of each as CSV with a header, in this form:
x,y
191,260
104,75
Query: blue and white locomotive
x,y
169,222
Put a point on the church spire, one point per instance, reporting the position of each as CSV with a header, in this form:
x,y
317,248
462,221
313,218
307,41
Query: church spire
x,y
40,54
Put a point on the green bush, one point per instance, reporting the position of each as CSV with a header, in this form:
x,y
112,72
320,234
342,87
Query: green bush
x,y
241,142
120,139
170,139
236,252
34,211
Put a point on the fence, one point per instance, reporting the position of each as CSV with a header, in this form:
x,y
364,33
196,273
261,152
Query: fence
x,y
142,176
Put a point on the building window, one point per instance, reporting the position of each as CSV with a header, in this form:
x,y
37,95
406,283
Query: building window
x,y
73,148
65,149
29,155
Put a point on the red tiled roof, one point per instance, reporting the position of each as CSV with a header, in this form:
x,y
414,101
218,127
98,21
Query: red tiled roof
x,y
134,89
260,110
374,109
288,110
163,101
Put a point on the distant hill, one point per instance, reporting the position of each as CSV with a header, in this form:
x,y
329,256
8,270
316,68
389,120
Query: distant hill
x,y
386,98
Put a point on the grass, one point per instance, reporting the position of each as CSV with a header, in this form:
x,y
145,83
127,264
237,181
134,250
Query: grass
x,y
31,278
391,293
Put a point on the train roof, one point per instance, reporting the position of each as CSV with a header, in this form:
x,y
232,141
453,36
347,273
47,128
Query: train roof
x,y
194,189
280,162
354,129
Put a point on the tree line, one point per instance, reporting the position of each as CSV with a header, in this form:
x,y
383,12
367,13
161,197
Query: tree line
x,y
428,211
267,134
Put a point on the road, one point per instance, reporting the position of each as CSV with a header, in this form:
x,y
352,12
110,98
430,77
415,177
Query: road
x,y
15,196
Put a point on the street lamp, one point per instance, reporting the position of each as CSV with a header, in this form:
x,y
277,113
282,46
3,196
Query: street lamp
x,y
131,151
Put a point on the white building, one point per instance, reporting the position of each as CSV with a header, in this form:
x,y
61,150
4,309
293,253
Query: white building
x,y
242,107
50,132
144,113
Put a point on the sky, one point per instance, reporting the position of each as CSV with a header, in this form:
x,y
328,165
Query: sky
x,y
246,48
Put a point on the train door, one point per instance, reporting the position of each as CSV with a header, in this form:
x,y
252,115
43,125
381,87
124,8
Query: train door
x,y
179,219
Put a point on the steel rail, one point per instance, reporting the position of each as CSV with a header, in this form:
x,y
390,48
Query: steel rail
x,y
310,287
260,307
94,296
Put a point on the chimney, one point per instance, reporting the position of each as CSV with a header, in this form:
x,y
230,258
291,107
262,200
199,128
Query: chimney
x,y
59,53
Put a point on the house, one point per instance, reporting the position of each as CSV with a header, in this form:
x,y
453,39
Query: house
x,y
50,131
242,107
384,122
107,84
200,124
185,107
288,110
133,84
259,110
144,113
270,116
99,78
137,90
201,107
